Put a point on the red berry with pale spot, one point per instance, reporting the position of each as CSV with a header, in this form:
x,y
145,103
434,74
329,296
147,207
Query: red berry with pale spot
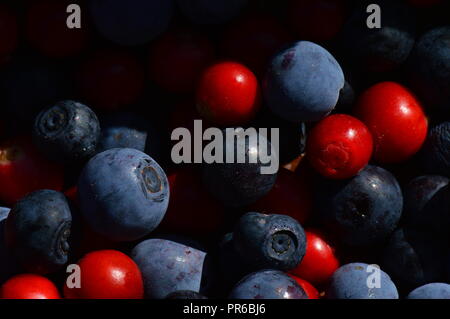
x,y
339,146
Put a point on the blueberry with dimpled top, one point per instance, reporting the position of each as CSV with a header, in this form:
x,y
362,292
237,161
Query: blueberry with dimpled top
x,y
123,194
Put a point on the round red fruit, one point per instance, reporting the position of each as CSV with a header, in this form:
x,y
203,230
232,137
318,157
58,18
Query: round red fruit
x,y
107,274
254,39
396,120
310,290
23,170
319,262
47,31
289,196
228,94
29,286
111,80
317,20
339,146
177,59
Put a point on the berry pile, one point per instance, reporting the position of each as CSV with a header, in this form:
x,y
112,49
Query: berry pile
x,y
93,204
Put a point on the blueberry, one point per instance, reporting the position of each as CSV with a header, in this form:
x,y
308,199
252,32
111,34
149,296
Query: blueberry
x,y
429,68
133,22
431,291
123,130
239,184
184,295
419,193
269,241
168,267
267,284
123,194
67,132
413,259
211,12
382,49
303,82
37,231
352,281
8,266
363,210
432,218
436,150
128,130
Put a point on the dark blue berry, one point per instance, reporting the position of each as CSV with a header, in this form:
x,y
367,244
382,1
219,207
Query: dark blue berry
x,y
269,241
363,210
67,132
37,231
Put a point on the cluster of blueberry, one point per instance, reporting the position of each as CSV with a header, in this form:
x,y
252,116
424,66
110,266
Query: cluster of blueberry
x,y
359,208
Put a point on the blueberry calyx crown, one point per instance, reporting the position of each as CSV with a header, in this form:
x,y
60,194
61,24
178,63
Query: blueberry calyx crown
x,y
150,178
53,120
61,243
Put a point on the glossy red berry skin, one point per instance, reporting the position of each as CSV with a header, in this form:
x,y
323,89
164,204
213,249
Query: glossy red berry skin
x,y
111,80
184,214
253,39
47,31
228,94
23,169
317,20
339,146
29,286
310,290
9,33
291,195
107,274
319,262
396,120
178,58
